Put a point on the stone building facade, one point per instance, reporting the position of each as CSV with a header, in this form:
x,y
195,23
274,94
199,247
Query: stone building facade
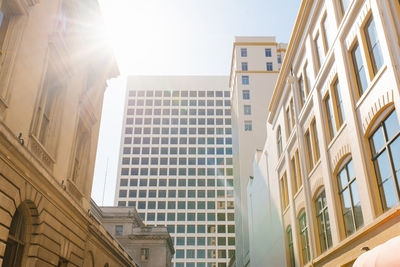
x,y
54,68
330,161
149,246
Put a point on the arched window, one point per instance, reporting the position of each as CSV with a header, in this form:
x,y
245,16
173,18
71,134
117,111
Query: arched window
x,y
385,150
290,245
279,140
324,227
16,240
304,242
349,198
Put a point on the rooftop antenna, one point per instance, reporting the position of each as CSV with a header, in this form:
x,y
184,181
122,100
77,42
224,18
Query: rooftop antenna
x,y
105,180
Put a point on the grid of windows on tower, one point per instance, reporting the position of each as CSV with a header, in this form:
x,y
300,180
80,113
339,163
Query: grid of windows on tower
x,y
176,169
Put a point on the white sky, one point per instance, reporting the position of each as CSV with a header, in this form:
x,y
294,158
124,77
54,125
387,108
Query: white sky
x,y
175,37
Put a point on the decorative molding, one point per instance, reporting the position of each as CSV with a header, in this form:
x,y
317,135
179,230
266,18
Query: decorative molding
x,y
384,100
343,151
318,183
38,149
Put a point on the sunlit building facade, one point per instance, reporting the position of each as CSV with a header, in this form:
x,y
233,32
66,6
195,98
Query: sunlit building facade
x,y
256,62
176,163
53,74
332,152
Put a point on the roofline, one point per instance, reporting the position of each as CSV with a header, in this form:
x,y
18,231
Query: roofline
x,y
287,61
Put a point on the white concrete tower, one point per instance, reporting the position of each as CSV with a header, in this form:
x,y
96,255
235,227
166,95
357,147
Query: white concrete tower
x,y
256,62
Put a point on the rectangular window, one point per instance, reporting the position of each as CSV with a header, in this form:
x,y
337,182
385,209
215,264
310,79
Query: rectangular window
x,y
327,32
330,119
269,66
291,107
279,59
244,66
359,70
295,165
248,126
319,46
284,192
245,79
310,162
243,52
374,47
119,229
349,198
247,109
301,91
268,52
324,226
246,94
337,98
144,254
289,119
305,244
316,151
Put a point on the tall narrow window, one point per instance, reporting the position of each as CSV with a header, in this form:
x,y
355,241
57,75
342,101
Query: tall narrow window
x,y
289,123
279,59
329,116
44,128
247,109
246,94
290,245
144,254
374,47
338,103
320,50
291,107
245,79
268,52
304,242
4,21
307,79
14,250
284,192
349,199
279,140
324,227
310,161
359,70
302,92
81,152
244,66
316,151
243,52
269,66
385,149
297,181
327,33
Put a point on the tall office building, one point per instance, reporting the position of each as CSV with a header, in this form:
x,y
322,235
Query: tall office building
x,y
255,66
176,163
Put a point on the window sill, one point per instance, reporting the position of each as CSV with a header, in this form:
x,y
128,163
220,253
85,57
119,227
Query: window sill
x,y
310,174
330,144
384,218
40,151
370,87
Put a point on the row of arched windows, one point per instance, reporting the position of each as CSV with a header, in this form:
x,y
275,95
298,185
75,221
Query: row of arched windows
x,y
384,146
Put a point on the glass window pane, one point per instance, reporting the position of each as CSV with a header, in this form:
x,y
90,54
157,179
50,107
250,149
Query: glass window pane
x,y
378,140
392,125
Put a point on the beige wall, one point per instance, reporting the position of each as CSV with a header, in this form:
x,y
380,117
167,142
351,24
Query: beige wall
x,y
36,175
352,137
